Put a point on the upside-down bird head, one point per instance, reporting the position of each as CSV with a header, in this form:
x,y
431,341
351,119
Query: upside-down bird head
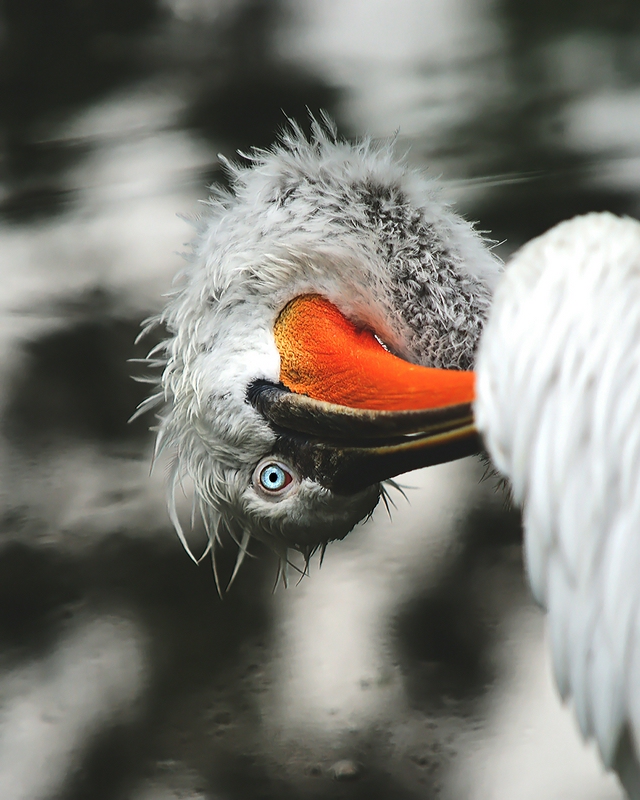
x,y
319,341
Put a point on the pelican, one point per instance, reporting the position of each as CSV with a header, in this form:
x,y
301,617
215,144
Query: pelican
x,y
320,341
558,403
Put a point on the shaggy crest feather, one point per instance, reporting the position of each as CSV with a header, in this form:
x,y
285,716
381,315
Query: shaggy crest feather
x,y
350,222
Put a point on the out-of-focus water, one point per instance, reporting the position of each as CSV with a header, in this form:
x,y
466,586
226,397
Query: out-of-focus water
x,y
413,662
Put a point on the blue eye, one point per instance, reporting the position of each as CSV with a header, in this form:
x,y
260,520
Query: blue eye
x,y
273,477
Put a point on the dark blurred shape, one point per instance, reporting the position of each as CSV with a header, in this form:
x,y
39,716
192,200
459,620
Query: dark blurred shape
x,y
541,19
55,58
245,93
35,201
195,642
77,381
111,766
445,636
521,213
521,134
60,56
37,587
198,646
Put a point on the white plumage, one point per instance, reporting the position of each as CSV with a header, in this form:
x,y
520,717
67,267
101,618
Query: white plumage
x,y
558,402
351,223
558,383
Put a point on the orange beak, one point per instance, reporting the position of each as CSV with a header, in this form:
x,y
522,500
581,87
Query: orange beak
x,y
325,356
349,412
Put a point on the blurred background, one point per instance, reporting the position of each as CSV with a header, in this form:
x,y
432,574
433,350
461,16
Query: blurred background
x,y
413,664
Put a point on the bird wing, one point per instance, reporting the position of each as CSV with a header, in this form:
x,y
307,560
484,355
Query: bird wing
x,y
558,402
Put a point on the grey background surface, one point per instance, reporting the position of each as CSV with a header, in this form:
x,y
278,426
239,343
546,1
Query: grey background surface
x,y
415,654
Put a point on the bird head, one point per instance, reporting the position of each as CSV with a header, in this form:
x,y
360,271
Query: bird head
x,y
321,338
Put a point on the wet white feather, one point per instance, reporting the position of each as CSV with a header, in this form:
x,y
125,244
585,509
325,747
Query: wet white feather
x,y
558,402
